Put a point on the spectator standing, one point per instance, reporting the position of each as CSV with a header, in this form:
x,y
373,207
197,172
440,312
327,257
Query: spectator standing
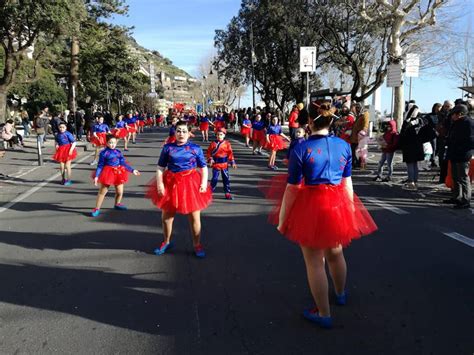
x,y
42,122
293,120
25,121
361,124
444,123
388,143
79,123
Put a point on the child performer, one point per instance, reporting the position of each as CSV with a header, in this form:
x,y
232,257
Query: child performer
x,y
245,129
172,133
112,169
204,127
362,150
65,153
275,141
258,135
131,122
180,188
220,155
219,122
140,122
99,131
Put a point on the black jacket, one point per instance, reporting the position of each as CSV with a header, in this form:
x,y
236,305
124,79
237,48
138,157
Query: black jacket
x,y
461,140
411,145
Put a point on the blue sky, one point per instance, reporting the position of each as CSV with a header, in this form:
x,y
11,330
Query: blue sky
x,y
183,31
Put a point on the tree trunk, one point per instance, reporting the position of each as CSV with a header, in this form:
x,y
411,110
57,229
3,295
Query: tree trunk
x,y
3,104
73,74
396,53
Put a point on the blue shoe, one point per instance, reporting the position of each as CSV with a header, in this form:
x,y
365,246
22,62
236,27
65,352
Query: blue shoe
x,y
163,248
95,212
341,300
120,207
313,316
67,182
199,251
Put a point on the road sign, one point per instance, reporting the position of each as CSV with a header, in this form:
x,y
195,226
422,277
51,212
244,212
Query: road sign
x,y
412,65
307,59
198,108
209,101
394,75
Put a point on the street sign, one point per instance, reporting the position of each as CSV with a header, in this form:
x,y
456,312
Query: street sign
x,y
209,101
198,108
307,59
394,75
412,65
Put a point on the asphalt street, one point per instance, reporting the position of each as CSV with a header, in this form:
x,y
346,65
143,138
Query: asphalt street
x,y
73,284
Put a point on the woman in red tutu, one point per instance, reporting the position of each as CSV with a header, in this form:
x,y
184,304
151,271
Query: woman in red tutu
x,y
275,141
65,153
204,127
172,132
246,129
120,131
258,135
180,188
99,132
321,213
112,169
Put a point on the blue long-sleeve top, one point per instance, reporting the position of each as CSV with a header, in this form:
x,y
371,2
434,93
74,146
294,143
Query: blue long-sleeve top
x,y
320,160
111,157
258,126
120,124
204,119
130,120
172,131
181,157
100,128
274,129
292,146
64,138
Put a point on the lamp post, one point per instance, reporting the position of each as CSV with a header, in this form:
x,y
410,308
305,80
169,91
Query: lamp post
x,y
252,56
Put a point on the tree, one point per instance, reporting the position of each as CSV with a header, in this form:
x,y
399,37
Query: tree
x,y
22,23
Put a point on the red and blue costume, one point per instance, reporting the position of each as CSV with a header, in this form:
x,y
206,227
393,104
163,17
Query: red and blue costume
x,y
171,135
258,132
276,140
181,180
219,123
246,127
131,124
64,142
120,130
100,130
204,123
220,155
112,169
141,120
324,213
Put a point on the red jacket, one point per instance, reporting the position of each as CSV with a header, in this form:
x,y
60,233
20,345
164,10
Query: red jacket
x,y
221,154
293,119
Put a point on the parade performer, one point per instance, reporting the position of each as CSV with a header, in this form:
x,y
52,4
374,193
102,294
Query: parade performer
x,y
172,132
220,156
159,120
65,153
204,127
180,188
219,122
99,132
140,122
258,135
321,213
112,169
246,129
275,141
150,121
120,131
131,122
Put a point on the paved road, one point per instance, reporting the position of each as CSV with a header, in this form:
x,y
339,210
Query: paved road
x,y
76,285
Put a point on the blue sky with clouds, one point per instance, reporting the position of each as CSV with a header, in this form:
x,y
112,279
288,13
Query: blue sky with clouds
x,y
183,31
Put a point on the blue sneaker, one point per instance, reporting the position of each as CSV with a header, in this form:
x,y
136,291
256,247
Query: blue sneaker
x,y
120,207
199,251
313,316
95,212
163,248
341,299
67,182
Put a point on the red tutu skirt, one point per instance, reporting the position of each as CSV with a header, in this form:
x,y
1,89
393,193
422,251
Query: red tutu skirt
x,y
245,131
218,124
62,154
276,142
132,128
449,178
181,192
119,132
100,140
149,122
113,175
259,136
170,139
141,123
324,216
204,126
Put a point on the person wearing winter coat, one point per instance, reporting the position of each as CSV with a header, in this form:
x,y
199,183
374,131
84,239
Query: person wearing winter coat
x,y
388,143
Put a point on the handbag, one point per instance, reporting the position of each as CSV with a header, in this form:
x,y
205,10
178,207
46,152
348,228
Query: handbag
x,y
40,131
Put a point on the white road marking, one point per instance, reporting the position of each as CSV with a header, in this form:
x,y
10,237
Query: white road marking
x,y
31,191
387,206
461,238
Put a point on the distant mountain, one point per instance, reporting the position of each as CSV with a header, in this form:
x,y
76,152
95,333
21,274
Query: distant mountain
x,y
160,62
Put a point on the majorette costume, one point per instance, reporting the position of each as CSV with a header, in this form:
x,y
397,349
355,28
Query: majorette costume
x,y
120,130
64,142
258,133
149,120
101,130
219,123
131,124
276,140
159,119
220,152
112,169
204,123
171,135
323,214
141,120
181,180
246,127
